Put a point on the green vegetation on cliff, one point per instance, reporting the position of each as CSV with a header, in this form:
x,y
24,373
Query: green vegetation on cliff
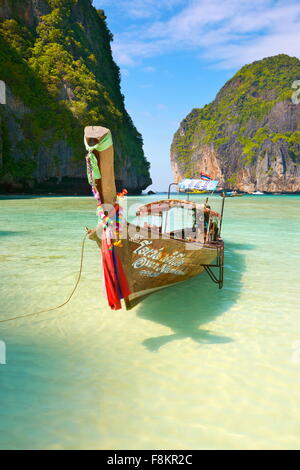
x,y
240,116
61,69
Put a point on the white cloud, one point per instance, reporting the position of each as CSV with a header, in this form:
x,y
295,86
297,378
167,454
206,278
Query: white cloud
x,y
229,33
161,106
149,69
148,8
141,9
124,72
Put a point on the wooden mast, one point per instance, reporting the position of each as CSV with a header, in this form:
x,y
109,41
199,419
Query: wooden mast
x,y
106,185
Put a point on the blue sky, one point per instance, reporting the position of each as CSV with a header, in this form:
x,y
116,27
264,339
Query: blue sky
x,y
175,55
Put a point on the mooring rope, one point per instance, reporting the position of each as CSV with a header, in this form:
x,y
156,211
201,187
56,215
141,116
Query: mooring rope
x,y
59,306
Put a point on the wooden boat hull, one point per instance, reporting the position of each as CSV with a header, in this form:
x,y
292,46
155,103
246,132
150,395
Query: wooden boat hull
x,y
151,264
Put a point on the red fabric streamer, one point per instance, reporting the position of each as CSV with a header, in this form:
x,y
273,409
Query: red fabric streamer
x,y
115,282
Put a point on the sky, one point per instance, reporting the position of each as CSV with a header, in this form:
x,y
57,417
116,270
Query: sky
x,y
175,55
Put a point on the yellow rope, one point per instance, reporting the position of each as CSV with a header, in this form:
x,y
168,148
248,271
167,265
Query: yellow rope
x,y
59,306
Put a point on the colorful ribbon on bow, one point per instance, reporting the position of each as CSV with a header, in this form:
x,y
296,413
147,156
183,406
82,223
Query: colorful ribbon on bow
x,y
116,284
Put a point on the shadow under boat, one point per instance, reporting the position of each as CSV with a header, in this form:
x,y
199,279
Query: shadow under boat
x,y
185,307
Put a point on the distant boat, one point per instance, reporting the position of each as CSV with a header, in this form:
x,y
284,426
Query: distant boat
x,y
232,194
257,193
195,191
139,259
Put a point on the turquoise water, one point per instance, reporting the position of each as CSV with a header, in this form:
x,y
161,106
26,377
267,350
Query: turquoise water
x,y
191,367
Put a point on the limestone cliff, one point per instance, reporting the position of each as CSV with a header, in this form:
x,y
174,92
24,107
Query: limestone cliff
x,y
56,61
249,136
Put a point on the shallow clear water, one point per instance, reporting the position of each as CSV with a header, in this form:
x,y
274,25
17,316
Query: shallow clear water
x,y
191,367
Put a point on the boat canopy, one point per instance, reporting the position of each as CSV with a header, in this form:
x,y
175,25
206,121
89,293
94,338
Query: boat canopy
x,y
198,184
157,207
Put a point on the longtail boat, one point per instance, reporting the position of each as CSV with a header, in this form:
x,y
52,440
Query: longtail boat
x,y
141,257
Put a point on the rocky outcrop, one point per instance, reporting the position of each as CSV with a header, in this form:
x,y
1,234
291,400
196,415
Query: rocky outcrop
x,y
56,61
249,136
28,11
